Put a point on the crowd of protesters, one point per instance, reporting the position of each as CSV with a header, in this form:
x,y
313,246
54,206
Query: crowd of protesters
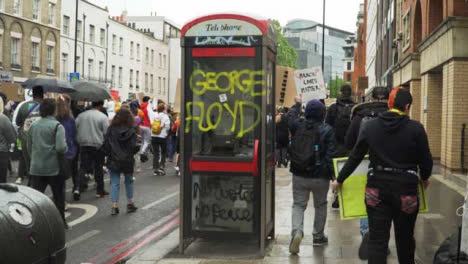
x,y
55,139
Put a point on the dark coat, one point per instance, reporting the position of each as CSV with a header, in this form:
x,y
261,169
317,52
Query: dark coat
x,y
120,146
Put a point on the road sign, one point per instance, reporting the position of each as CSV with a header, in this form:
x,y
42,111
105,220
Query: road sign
x,y
74,77
6,76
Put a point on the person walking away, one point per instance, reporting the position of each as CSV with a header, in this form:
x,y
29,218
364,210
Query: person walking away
x,y
312,151
7,138
91,127
120,146
27,114
65,117
170,136
160,125
398,148
339,118
360,114
46,141
110,107
145,130
282,139
134,107
176,129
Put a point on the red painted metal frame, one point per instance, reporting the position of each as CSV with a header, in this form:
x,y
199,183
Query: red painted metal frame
x,y
227,166
261,24
223,52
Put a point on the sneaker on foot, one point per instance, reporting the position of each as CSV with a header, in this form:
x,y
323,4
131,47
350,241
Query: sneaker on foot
x,y
65,224
101,194
115,211
76,195
131,208
336,204
363,249
295,242
161,172
19,181
320,241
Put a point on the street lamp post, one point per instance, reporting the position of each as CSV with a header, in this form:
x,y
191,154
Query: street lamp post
x,y
76,35
323,40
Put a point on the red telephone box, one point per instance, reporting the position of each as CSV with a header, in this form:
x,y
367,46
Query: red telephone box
x,y
227,144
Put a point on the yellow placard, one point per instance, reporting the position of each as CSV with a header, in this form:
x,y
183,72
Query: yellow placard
x,y
352,193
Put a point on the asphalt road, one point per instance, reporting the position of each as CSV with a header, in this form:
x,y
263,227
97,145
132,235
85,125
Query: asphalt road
x,y
97,237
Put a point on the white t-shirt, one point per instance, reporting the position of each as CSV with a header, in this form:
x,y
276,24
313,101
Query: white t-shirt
x,y
165,123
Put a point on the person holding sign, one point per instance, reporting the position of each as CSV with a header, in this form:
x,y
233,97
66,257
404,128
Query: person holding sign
x,y
398,148
312,150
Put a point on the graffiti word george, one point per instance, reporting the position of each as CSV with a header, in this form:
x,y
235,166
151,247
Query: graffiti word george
x,y
244,81
206,122
232,40
216,212
232,195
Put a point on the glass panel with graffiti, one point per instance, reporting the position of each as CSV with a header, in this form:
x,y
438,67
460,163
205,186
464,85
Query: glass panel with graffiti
x,y
225,111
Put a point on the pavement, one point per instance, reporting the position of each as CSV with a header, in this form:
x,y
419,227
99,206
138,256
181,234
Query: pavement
x,y
344,238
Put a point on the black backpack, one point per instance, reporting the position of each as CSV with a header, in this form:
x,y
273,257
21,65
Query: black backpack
x,y
342,121
304,151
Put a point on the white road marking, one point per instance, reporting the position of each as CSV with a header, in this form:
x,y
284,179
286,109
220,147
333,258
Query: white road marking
x,y
90,211
67,214
167,197
82,238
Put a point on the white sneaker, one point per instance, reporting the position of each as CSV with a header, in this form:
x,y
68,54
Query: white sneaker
x,y
19,181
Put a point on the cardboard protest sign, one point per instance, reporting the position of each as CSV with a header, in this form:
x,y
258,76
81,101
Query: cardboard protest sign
x,y
310,84
352,194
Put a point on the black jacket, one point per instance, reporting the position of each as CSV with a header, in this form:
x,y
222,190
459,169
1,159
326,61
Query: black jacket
x,y
333,109
393,141
327,142
120,147
358,113
282,133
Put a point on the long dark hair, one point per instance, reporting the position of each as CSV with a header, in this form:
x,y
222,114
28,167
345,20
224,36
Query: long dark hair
x,y
123,118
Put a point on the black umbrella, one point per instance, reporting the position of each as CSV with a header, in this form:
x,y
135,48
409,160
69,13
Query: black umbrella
x,y
49,85
88,91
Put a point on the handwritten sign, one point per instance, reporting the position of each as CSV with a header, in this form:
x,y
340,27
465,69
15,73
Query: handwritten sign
x,y
310,84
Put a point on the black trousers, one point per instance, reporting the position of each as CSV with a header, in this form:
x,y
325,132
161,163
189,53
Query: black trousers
x,y
387,203
4,158
57,185
74,171
159,152
92,160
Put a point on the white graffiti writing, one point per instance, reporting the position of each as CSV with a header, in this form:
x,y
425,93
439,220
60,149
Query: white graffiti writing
x,y
244,41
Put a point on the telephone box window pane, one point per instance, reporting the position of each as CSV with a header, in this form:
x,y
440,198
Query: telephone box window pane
x,y
223,203
224,112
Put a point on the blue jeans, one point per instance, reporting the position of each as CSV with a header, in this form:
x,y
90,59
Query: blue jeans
x,y
115,185
364,226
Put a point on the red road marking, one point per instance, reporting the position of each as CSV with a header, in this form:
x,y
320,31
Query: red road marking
x,y
133,238
156,234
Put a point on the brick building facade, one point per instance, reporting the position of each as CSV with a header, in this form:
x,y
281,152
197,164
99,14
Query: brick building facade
x,y
432,61
360,82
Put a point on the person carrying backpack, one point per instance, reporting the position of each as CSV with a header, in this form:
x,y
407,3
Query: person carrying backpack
x,y
361,114
312,151
120,146
160,125
400,159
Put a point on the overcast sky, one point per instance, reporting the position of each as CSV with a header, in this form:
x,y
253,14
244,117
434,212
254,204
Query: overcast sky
x,y
341,14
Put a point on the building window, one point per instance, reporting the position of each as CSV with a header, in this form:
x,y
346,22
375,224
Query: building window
x,y
114,44
35,56
102,37
51,13
152,84
91,33
146,82
406,30
16,53
164,86
17,7
121,46
36,9
90,68
66,25
131,50
1,49
120,77
50,59
164,62
78,63
101,71
113,75
348,66
348,77
159,85
64,66
160,60
131,79
137,80
2,3
152,57
138,52
78,29
147,56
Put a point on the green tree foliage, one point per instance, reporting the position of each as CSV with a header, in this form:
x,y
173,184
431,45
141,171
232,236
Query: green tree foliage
x,y
334,86
286,55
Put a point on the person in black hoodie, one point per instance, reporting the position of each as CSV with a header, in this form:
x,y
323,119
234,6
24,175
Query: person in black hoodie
x,y
398,148
360,114
282,138
316,178
120,148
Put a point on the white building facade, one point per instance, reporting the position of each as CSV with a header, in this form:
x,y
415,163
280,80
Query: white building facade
x,y
371,52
